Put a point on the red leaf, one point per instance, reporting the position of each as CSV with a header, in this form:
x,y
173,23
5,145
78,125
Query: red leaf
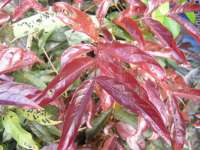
x,y
142,126
165,37
179,130
102,9
154,97
136,8
24,6
69,73
186,7
107,35
4,17
74,114
115,71
131,27
78,1
188,93
12,93
3,3
112,144
125,130
76,19
16,58
189,27
130,100
106,101
131,54
75,52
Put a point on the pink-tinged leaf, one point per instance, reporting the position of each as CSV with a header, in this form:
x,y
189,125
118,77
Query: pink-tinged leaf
x,y
102,9
106,34
155,98
136,8
196,124
131,27
187,93
78,1
4,17
75,52
142,126
106,101
178,130
74,113
16,58
112,144
165,37
129,53
68,74
186,7
90,113
130,100
3,3
115,71
125,130
189,27
16,94
76,19
136,143
24,6
4,77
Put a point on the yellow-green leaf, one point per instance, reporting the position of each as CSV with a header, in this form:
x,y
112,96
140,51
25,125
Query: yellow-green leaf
x,y
39,116
12,126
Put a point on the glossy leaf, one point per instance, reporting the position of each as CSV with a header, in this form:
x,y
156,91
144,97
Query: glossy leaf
x,y
125,130
76,19
112,144
155,98
132,28
165,37
69,73
24,6
4,17
12,93
131,54
101,12
75,113
75,52
130,100
186,7
16,58
12,126
119,73
189,27
188,93
179,131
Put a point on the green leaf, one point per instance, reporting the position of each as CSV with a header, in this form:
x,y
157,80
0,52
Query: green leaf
x,y
161,11
191,16
41,132
46,22
172,26
12,126
98,123
160,15
127,117
39,116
